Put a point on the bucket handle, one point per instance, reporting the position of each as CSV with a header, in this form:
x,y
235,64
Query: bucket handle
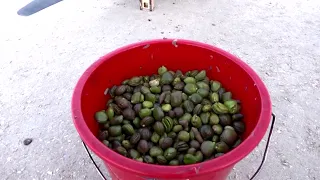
x,y
254,175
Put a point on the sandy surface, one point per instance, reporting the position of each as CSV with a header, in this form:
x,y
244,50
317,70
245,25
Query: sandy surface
x,y
42,57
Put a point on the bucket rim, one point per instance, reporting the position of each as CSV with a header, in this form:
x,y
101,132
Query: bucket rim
x,y
216,164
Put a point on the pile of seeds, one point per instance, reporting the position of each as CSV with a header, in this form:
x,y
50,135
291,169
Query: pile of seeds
x,y
171,118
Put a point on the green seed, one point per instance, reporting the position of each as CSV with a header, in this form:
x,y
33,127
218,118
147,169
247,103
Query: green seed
x,y
126,144
155,89
215,138
115,130
221,147
135,138
189,159
158,113
189,80
199,156
161,160
162,70
201,75
203,92
136,122
186,116
155,137
101,117
148,159
135,81
229,136
220,108
159,128
232,106
205,117
190,88
215,86
188,106
207,148
170,153
179,86
144,112
181,146
145,90
203,85
214,97
110,112
176,98
237,143
184,96
147,121
140,159
194,73
166,107
174,162
128,129
147,104
184,136
217,129
135,99
196,121
134,154
177,128
121,150
214,119
195,98
155,151
176,80
166,78
154,82
226,96
192,151
195,144
117,120
150,97
168,123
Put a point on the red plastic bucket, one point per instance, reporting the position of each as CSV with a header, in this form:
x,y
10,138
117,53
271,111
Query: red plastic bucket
x,y
144,58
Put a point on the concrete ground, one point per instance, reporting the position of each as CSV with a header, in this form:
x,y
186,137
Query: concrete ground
x,y
42,57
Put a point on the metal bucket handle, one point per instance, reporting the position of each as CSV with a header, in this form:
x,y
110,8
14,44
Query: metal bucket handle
x,y
254,175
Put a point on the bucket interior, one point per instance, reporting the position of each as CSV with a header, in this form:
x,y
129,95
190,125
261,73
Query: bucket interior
x,y
144,59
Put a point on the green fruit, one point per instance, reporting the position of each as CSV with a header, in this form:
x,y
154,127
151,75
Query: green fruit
x,y
197,109
166,78
215,138
121,150
136,98
220,92
176,98
226,96
136,122
161,160
177,128
186,116
196,121
188,106
103,135
126,144
229,136
194,144
218,155
115,130
221,147
144,112
201,75
184,136
155,151
134,154
139,159
150,97
214,97
206,132
165,142
215,86
155,137
166,107
147,104
195,98
157,113
106,143
239,127
117,120
203,92
129,114
191,151
117,138
189,159
199,156
162,70
159,128
219,108
179,86
128,129
101,117
214,119
206,108
207,148
190,88
146,121
120,90
237,143
194,73
237,117
154,82
148,159
205,117
172,135
170,153
110,112
174,162
155,89
167,98
166,88
135,81
135,138
232,106
143,146
203,85
168,123
181,146
217,129
188,80
184,97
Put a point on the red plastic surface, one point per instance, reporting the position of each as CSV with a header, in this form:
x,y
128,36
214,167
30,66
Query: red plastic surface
x,y
144,58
